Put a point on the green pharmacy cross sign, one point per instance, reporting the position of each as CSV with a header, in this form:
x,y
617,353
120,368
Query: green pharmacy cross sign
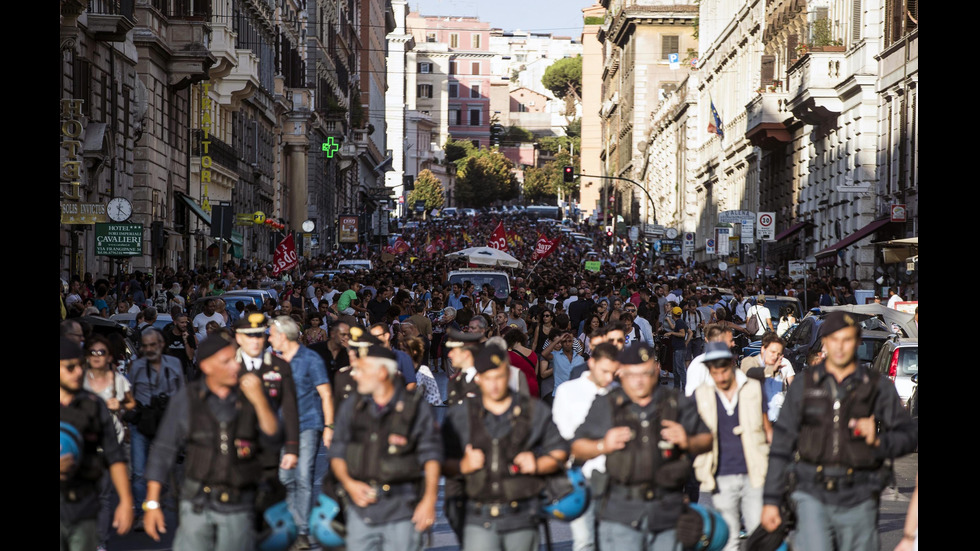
x,y
330,147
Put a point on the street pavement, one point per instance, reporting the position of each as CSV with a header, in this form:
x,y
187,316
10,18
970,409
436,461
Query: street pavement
x,y
891,521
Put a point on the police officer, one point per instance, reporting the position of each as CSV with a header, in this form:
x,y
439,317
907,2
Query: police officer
x,y
842,421
225,423
91,427
463,348
503,444
644,429
386,455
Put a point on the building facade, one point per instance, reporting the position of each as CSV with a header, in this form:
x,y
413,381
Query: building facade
x,y
592,63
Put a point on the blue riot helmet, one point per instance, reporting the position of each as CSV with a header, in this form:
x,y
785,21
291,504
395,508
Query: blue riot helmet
x,y
715,535
573,503
327,531
71,442
278,529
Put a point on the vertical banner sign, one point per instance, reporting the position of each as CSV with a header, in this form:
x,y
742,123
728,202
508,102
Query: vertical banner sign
x,y
734,251
709,246
348,229
722,235
748,231
688,246
71,129
285,258
498,240
205,145
766,227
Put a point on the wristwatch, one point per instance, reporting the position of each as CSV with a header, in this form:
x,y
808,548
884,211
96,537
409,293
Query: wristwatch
x,y
151,505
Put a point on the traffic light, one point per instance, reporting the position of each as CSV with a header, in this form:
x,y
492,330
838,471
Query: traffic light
x,y
569,175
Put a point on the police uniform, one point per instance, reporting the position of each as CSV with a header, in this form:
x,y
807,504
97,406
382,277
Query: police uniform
x,y
280,390
640,497
838,476
502,504
223,445
98,448
460,386
387,447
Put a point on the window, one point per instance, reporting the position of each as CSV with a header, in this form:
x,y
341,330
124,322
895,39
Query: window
x,y
768,70
455,116
430,37
425,68
475,40
670,45
454,40
424,91
474,91
452,67
476,68
475,117
454,90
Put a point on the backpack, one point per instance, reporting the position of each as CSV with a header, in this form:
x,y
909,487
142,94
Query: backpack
x,y
160,301
752,325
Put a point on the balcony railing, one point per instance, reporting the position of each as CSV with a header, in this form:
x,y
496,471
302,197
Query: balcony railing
x,y
185,9
220,152
767,116
110,20
812,82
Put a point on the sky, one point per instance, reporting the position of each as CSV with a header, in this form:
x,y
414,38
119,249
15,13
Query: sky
x,y
558,17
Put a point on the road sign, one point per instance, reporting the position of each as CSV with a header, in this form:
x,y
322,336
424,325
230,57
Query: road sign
x,y
766,226
709,246
748,231
735,216
721,237
634,233
688,247
657,245
671,246
420,206
675,61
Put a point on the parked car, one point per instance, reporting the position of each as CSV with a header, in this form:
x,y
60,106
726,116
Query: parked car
x,y
913,404
803,340
162,321
898,360
449,212
354,265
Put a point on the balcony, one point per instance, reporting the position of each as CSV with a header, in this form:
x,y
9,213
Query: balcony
x,y
812,81
188,36
110,20
767,118
223,48
241,82
221,153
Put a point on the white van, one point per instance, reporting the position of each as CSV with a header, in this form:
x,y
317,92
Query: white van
x,y
500,281
354,265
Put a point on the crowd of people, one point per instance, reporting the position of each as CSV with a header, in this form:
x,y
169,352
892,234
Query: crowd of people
x,y
225,408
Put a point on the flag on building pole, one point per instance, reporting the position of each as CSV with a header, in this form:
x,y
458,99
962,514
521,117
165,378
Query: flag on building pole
x,y
716,127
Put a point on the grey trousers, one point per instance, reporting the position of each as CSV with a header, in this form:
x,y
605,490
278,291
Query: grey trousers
x,y
820,526
213,531
478,538
390,536
583,529
736,499
620,537
80,536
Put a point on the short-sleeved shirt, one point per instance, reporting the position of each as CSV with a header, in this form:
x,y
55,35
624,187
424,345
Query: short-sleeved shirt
x,y
675,341
309,372
406,366
116,389
664,510
345,300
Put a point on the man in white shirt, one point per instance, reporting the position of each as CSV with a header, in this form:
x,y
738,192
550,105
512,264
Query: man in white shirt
x,y
697,372
573,400
893,298
759,310
201,320
573,291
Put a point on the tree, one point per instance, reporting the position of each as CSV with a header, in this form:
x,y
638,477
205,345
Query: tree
x,y
458,149
485,177
538,184
428,188
564,79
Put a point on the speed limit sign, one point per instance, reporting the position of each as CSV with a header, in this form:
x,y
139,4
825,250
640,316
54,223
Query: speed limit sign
x,y
766,226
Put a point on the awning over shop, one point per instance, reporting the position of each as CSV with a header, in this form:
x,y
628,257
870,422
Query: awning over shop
x,y
236,237
791,230
827,257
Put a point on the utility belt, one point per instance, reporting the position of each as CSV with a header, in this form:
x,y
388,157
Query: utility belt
x,y
388,491
200,494
494,510
835,477
634,492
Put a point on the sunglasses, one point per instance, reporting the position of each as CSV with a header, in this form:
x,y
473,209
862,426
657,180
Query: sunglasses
x,y
98,352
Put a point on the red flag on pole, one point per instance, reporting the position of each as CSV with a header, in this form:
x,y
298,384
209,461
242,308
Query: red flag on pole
x,y
544,247
632,273
499,238
399,246
285,258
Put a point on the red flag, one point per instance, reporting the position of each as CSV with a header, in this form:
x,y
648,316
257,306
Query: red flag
x,y
499,238
399,246
285,258
544,247
632,273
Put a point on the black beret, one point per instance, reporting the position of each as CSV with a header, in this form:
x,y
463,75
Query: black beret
x,y
637,353
490,357
837,320
455,339
70,349
212,345
254,323
378,351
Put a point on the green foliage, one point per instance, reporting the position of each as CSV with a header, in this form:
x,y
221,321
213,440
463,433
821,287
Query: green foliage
x,y
593,20
515,134
428,188
485,177
552,144
357,111
458,149
821,33
538,184
564,78
515,77
574,129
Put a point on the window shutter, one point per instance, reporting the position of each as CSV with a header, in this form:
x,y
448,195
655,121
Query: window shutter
x,y
913,8
897,16
768,69
670,45
855,21
791,42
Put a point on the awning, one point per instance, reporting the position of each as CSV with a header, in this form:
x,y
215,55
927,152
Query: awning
x,y
236,237
908,241
853,238
792,230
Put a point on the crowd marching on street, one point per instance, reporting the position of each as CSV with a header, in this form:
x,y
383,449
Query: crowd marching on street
x,y
616,400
